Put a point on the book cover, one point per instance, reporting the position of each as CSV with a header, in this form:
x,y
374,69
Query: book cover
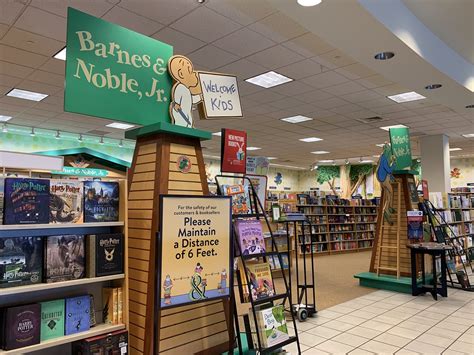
x,y
120,305
52,319
77,315
415,224
105,344
21,326
26,201
109,305
64,258
105,254
101,201
272,325
93,320
261,281
240,198
250,234
21,261
65,204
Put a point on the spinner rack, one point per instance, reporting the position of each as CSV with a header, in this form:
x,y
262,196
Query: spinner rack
x,y
258,213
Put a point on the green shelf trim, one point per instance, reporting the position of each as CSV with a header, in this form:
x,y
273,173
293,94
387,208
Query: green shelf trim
x,y
82,150
166,127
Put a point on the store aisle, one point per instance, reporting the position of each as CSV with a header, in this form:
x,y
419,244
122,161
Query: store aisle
x,y
386,322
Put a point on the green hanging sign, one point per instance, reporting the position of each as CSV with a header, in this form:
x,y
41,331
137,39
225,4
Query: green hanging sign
x,y
70,170
401,148
115,73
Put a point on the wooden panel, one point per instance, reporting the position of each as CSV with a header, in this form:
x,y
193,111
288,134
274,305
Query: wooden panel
x,y
174,158
179,176
139,332
184,316
139,244
137,308
143,177
138,297
139,233
194,168
140,195
147,149
140,204
136,342
138,275
191,325
138,286
134,351
192,336
138,264
185,186
168,312
137,319
142,214
139,254
181,192
141,168
142,186
148,158
139,223
182,149
198,345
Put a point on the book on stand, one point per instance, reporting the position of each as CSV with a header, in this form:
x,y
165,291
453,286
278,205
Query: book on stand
x,y
65,205
261,280
240,198
21,326
64,258
101,201
77,315
250,235
52,319
105,254
271,325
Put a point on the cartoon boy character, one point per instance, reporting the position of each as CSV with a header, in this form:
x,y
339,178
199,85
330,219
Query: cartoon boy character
x,y
167,286
223,284
185,92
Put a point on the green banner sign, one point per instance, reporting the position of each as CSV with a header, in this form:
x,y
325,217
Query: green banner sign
x,y
70,170
115,73
401,148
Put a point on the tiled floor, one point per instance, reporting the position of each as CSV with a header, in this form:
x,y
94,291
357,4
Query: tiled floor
x,y
386,322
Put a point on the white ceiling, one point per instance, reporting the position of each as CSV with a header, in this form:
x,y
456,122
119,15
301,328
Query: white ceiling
x,y
241,37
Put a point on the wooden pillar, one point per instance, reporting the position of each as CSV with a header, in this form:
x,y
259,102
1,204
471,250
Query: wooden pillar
x,y
203,328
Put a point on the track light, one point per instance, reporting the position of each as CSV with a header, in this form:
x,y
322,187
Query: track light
x,y
4,128
101,140
80,138
58,135
32,133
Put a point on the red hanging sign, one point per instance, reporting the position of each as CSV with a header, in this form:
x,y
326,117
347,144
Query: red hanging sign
x,y
233,151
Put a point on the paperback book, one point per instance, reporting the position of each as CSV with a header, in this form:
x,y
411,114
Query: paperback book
x,y
26,201
105,254
52,319
21,261
77,315
101,201
21,326
65,204
240,198
64,258
250,235
271,325
261,281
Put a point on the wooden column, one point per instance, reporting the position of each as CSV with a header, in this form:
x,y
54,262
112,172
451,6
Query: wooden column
x,y
203,328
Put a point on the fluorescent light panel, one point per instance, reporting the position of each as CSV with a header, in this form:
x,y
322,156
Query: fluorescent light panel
x,y
326,161
454,149
217,133
406,97
296,119
27,95
469,135
253,148
310,139
120,125
320,152
61,55
272,158
5,118
386,128
268,79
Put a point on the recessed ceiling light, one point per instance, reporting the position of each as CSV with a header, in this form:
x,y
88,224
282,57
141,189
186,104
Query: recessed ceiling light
x,y
310,139
27,95
326,161
61,55
406,97
268,79
470,106
5,118
320,152
296,119
433,86
469,135
386,128
384,55
272,158
454,149
307,3
253,148
217,134
120,125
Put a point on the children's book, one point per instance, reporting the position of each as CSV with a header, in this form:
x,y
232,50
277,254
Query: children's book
x,y
52,319
77,315
240,198
105,254
261,281
65,204
250,235
21,326
272,326
64,258
101,201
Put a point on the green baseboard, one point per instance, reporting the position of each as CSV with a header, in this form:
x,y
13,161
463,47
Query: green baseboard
x,y
384,282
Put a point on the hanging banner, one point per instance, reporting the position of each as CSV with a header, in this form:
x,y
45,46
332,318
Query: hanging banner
x,y
257,165
233,151
115,73
220,96
401,148
195,249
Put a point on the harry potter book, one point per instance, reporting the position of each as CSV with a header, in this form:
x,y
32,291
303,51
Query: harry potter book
x,y
21,261
101,201
110,305
21,326
65,205
105,254
250,234
26,201
52,319
77,315
64,258
113,343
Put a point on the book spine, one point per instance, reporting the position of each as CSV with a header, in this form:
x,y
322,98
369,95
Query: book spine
x,y
120,305
91,255
115,305
107,303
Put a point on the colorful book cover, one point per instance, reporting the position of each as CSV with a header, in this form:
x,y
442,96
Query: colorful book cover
x,y
65,204
272,325
415,224
52,319
101,201
110,344
21,326
261,281
26,201
77,315
240,198
250,234
21,261
64,258
105,254
110,304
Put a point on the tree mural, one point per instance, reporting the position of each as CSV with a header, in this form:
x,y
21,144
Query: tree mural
x,y
358,175
328,174
416,166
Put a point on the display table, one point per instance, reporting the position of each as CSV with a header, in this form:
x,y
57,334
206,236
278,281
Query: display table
x,y
434,250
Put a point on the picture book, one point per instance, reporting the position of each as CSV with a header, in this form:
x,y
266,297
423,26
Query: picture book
x,y
21,261
26,201
240,198
101,201
77,315
250,235
272,325
65,204
52,319
105,344
261,281
21,325
105,254
415,224
64,258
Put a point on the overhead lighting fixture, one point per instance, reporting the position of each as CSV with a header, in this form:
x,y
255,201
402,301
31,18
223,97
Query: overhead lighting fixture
x,y
320,152
347,162
307,3
272,158
26,95
296,119
58,135
32,133
454,149
387,128
80,138
406,97
253,148
470,106
61,55
366,161
5,118
326,161
120,125
310,139
269,79
120,144
384,55
469,135
380,145
4,128
217,133
101,140
433,86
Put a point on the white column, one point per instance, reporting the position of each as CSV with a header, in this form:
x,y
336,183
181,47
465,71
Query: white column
x,y
435,165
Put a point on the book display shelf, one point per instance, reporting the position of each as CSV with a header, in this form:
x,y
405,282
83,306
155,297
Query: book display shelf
x,y
87,285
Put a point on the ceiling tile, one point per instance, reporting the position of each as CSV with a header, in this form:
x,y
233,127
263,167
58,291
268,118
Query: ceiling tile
x,y
205,24
355,71
374,81
266,96
275,57
247,88
324,80
286,103
308,45
243,69
244,12
21,57
361,96
39,87
54,65
345,88
164,12
334,58
182,43
3,29
244,42
330,103
211,57
59,7
7,80
47,78
9,11
43,23
345,109
313,96
31,42
132,21
278,27
293,88
300,70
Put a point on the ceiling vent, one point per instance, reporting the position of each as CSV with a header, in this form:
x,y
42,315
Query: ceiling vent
x,y
370,119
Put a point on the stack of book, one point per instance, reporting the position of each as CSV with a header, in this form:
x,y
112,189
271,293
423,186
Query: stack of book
x,y
271,325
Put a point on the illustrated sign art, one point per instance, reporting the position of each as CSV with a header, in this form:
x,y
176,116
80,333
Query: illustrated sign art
x,y
401,147
73,171
196,249
220,95
233,151
183,163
